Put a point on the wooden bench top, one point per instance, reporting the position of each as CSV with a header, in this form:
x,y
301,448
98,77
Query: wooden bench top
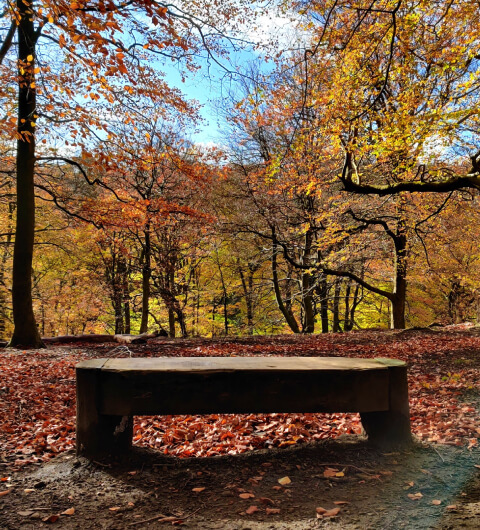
x,y
182,385
215,364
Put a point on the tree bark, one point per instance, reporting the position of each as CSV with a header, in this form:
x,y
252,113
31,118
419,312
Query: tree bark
x,y
288,315
336,304
25,332
146,274
307,294
398,301
323,292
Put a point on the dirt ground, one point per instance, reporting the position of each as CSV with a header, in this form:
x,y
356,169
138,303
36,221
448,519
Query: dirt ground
x,y
149,490
335,484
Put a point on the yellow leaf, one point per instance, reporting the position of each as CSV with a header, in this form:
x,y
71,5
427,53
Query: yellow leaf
x,y
30,58
284,481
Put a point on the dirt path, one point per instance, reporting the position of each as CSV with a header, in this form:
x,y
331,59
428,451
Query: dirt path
x,y
380,490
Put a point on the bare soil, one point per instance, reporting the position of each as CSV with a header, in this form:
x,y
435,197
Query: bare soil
x,y
149,490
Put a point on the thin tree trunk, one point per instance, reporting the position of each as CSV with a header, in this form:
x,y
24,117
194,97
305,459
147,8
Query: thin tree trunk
x,y
288,315
25,332
346,320
224,295
247,292
398,301
146,274
323,291
171,322
336,302
307,295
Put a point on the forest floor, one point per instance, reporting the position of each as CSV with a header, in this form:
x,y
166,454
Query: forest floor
x,y
247,471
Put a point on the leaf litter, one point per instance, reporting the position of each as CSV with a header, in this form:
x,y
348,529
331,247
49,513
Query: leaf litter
x,y
37,413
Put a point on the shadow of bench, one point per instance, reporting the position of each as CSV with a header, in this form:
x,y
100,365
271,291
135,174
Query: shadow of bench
x,y
111,391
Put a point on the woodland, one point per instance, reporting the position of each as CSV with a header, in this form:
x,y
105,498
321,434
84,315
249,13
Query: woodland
x,y
342,196
334,214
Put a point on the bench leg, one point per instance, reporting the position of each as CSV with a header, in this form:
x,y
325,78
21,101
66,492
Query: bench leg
x,y
391,428
98,434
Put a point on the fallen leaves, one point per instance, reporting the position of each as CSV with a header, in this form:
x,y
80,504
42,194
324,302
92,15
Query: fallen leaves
x,y
415,496
3,493
37,409
246,495
284,481
322,512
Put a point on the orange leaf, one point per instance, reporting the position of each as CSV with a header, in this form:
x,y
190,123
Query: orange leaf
x,y
51,518
2,493
68,511
436,502
272,511
251,509
330,472
246,495
415,496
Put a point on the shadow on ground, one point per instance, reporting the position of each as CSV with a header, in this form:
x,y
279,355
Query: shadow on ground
x,y
372,489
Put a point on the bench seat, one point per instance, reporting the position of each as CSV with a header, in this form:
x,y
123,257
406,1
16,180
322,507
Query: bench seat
x,y
111,391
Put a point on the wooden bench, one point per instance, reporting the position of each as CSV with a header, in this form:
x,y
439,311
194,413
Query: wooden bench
x,y
111,391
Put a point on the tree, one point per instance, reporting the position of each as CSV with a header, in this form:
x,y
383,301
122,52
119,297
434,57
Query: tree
x,y
73,60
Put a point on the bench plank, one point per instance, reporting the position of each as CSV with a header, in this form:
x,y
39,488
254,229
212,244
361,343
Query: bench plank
x,y
193,385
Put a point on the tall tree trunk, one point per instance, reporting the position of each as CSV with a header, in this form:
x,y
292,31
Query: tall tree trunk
x,y
25,332
118,309
146,274
171,322
247,285
286,312
124,269
307,294
224,295
323,292
398,301
346,320
336,303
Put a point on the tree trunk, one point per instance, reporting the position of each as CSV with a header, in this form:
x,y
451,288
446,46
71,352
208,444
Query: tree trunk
x,y
146,273
336,302
25,332
126,295
118,309
398,301
247,292
287,313
307,294
323,292
171,322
